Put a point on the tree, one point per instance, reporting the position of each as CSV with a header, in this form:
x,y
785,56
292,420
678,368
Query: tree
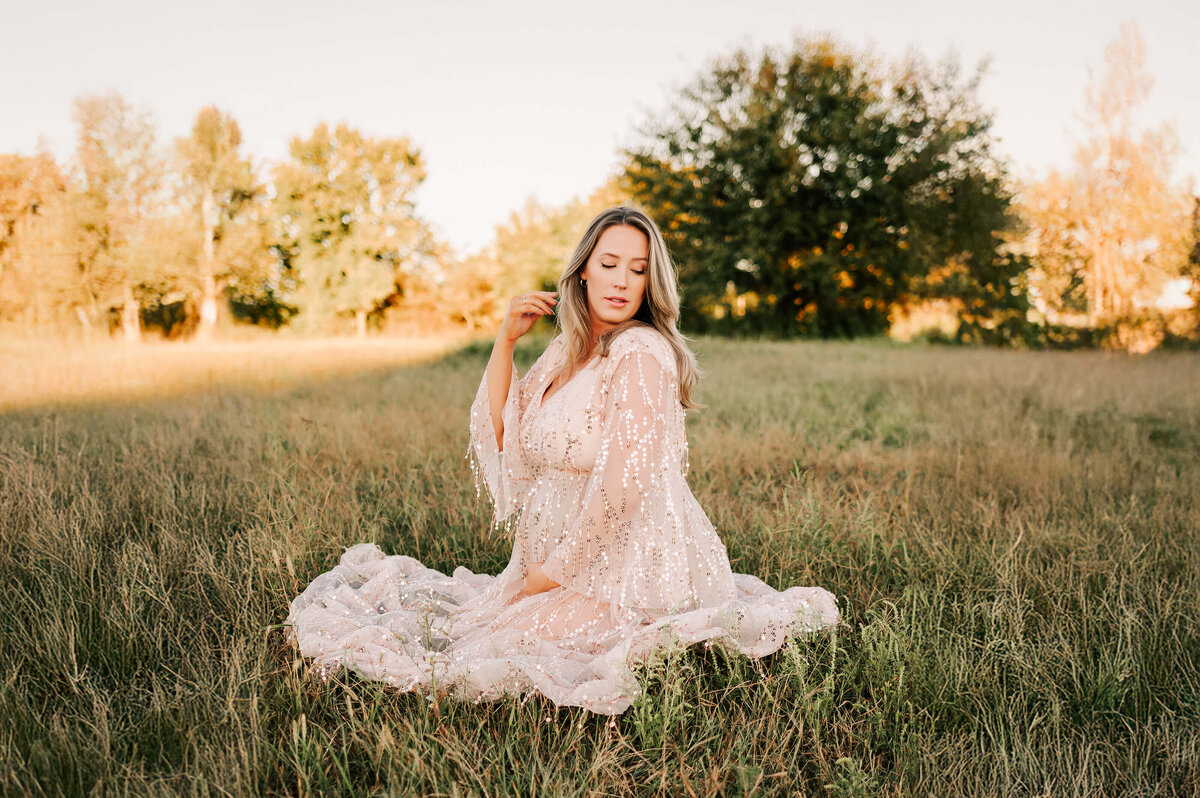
x,y
349,233
120,175
37,259
1109,235
470,295
226,200
536,243
1192,267
529,251
807,190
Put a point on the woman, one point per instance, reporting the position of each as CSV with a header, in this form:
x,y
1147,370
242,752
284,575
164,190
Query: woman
x,y
585,459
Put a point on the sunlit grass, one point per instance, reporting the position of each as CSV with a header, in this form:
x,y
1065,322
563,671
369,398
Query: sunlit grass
x,y
72,372
1012,538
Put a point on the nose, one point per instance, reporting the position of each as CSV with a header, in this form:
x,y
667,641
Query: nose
x,y
621,278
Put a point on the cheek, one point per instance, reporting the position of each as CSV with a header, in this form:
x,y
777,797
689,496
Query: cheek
x,y
642,292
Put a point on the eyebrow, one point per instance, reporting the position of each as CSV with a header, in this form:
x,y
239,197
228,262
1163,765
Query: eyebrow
x,y
618,257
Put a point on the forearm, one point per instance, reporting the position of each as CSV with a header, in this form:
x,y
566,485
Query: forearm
x,y
499,378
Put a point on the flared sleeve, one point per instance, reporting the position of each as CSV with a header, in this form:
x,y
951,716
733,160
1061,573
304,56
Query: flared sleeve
x,y
504,472
637,541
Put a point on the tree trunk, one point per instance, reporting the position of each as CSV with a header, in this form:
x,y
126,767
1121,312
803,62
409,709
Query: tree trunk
x,y
131,320
360,323
208,299
1100,283
208,309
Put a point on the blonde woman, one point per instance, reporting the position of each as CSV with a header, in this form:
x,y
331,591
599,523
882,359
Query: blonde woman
x,y
585,459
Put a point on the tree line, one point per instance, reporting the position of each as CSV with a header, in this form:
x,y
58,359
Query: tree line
x,y
129,232
805,190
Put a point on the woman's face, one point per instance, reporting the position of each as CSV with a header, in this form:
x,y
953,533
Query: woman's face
x,y
616,274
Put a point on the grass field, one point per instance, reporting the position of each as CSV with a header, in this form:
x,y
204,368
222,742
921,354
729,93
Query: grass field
x,y
1013,539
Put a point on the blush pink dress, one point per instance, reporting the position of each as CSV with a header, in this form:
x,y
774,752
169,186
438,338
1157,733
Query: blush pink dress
x,y
591,482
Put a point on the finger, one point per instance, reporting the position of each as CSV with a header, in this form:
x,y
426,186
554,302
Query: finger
x,y
524,300
540,305
530,304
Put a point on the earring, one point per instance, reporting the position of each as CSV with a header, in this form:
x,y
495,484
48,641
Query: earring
x,y
583,282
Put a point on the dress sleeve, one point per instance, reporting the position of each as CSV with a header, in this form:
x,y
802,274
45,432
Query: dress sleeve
x,y
627,545
505,473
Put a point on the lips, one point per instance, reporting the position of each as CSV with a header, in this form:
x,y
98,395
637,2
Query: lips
x,y
617,301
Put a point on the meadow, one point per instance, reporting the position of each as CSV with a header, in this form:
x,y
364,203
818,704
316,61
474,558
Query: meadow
x,y
1012,536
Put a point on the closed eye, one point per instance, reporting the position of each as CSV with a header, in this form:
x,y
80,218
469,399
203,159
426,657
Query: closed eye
x,y
613,266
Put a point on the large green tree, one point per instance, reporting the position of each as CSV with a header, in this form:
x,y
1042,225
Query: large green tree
x,y
349,235
811,190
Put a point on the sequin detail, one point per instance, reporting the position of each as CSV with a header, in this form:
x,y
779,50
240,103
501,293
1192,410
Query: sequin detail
x,y
591,482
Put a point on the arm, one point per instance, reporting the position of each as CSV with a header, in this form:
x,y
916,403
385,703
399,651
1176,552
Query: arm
x,y
498,406
523,311
500,371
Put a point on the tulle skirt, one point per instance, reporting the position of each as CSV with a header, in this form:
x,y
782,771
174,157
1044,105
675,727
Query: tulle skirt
x,y
480,637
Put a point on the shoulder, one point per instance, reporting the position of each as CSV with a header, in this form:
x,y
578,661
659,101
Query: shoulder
x,y
555,349
640,342
547,359
556,344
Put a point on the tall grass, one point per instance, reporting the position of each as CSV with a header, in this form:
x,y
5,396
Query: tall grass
x,y
1012,538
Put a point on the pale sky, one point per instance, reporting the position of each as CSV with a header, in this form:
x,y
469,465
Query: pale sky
x,y
508,100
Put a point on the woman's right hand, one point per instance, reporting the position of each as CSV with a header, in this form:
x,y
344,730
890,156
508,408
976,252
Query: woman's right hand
x,y
524,310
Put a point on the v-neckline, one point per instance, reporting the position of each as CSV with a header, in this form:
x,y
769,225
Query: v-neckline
x,y
543,398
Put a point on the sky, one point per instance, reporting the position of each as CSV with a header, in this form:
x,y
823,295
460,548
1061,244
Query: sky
x,y
518,99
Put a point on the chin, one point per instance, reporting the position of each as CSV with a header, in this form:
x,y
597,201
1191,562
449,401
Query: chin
x,y
607,316
606,313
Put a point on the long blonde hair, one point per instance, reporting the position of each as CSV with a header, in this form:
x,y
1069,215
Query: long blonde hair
x,y
659,308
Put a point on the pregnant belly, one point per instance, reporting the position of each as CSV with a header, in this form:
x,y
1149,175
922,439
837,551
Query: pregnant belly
x,y
552,505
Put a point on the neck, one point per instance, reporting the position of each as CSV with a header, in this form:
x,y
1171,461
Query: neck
x,y
598,329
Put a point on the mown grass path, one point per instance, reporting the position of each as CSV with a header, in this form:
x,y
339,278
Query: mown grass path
x,y
1014,539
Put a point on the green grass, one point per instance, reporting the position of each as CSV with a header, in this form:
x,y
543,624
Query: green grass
x,y
1013,539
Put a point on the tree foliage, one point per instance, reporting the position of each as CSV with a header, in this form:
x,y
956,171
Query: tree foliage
x,y
1191,269
227,205
1107,236
535,244
349,234
809,190
38,257
529,252
120,178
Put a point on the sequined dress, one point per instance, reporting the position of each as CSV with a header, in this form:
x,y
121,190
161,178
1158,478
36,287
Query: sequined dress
x,y
592,482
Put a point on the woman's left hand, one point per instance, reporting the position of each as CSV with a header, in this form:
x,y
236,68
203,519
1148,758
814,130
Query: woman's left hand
x,y
536,580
